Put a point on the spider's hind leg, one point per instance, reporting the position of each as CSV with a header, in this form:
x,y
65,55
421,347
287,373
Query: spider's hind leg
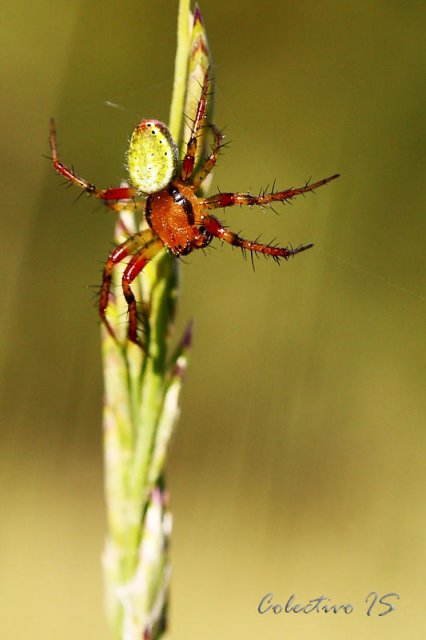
x,y
215,228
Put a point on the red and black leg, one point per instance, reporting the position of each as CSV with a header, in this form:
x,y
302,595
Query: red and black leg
x,y
214,227
108,195
133,269
221,200
211,160
188,161
142,247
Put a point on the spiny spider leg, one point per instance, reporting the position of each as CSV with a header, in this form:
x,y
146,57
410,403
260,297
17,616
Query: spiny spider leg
x,y
209,163
119,193
221,200
133,269
135,266
215,228
188,161
115,257
143,247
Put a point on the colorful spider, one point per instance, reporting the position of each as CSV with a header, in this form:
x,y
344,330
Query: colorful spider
x,y
178,219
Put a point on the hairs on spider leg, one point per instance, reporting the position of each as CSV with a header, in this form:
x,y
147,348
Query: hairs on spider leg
x,y
188,120
96,295
183,259
78,197
208,249
142,314
223,145
252,261
210,84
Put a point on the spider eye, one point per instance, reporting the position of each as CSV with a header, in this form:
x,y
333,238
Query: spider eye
x,y
152,158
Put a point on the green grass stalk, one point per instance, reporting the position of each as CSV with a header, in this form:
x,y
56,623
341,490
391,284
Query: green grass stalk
x,y
142,406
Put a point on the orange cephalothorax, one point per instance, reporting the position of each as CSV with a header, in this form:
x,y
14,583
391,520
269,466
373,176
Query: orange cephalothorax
x,y
174,215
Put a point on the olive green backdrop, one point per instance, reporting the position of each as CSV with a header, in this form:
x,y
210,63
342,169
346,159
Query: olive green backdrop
x,y
298,465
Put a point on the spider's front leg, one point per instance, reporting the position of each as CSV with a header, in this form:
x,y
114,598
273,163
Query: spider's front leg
x,y
107,195
215,228
142,247
188,161
201,174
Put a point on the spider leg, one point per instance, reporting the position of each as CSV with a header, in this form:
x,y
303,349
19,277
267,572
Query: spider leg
x,y
215,228
137,245
119,193
221,200
133,269
188,161
209,162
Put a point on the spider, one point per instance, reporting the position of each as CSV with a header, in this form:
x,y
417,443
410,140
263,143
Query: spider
x,y
178,219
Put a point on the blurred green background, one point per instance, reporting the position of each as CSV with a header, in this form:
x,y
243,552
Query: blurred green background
x,y
298,465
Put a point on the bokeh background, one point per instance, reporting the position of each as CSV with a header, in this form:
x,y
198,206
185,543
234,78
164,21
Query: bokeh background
x,y
298,465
